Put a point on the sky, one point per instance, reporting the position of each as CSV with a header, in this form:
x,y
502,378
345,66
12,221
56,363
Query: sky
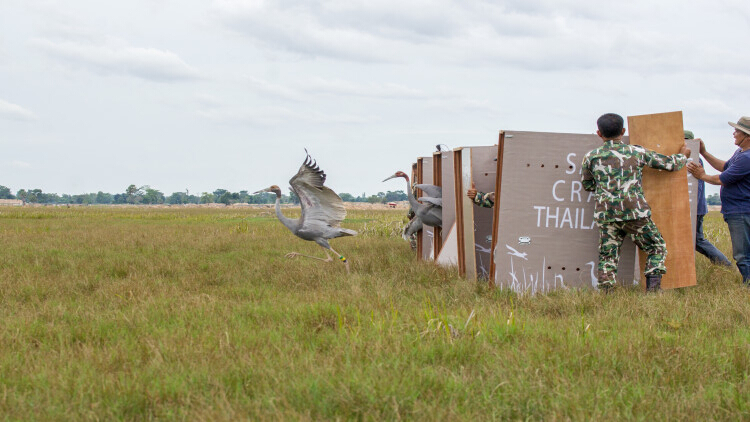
x,y
200,95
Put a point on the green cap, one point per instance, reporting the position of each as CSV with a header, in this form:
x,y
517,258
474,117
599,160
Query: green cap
x,y
689,135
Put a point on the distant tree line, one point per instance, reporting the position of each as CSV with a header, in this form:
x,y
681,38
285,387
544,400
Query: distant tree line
x,y
713,199
148,195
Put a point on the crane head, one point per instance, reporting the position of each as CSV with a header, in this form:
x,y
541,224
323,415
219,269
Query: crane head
x,y
398,174
273,188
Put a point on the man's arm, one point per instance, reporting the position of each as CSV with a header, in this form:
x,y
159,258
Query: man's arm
x,y
699,173
486,200
587,178
713,161
667,162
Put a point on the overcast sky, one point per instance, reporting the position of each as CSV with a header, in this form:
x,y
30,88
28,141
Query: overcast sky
x,y
199,95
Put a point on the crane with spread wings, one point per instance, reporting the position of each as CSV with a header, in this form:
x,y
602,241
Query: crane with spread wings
x,y
322,210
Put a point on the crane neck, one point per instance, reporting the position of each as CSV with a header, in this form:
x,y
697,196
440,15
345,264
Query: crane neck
x,y
290,223
410,195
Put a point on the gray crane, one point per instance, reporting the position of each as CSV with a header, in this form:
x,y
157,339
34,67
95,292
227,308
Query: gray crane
x,y
322,210
430,210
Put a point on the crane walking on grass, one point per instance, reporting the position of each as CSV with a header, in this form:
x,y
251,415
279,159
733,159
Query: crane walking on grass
x,y
322,210
430,210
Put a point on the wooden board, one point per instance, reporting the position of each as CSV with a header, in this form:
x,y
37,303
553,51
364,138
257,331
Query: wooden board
x,y
473,225
484,175
416,177
425,236
448,253
667,195
437,180
464,213
694,145
545,235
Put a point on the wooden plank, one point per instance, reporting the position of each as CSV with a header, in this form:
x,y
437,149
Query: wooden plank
x,y
417,178
694,145
459,226
667,195
467,216
448,255
437,180
427,232
496,208
483,175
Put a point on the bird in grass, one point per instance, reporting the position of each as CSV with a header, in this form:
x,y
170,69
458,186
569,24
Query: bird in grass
x,y
430,210
322,210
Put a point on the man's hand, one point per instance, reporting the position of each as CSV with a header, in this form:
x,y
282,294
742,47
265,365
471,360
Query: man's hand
x,y
702,149
696,170
472,192
685,150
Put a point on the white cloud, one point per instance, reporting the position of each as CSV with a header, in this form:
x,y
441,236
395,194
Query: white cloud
x,y
274,90
117,58
371,90
546,35
20,164
12,111
273,116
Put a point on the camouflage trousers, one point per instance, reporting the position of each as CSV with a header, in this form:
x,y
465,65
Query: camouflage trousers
x,y
645,235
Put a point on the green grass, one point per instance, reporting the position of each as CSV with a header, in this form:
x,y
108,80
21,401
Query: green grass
x,y
195,314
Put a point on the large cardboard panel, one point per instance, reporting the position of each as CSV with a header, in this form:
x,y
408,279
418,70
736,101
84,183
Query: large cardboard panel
x,y
448,254
483,174
694,145
667,195
464,213
546,236
473,225
427,232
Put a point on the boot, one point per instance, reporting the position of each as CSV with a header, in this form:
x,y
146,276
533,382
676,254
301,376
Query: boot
x,y
653,283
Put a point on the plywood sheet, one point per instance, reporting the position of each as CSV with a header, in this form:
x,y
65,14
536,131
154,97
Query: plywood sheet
x,y
448,254
483,174
694,145
546,235
667,195
426,234
447,183
464,213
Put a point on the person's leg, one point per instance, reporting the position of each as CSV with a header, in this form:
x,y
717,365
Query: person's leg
x,y
705,247
610,240
739,231
646,236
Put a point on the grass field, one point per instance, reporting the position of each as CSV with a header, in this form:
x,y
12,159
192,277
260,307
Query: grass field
x,y
195,314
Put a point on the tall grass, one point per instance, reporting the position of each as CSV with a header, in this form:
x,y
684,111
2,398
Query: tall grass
x,y
137,313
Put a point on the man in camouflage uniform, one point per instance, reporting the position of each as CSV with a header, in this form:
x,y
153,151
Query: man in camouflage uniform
x,y
613,171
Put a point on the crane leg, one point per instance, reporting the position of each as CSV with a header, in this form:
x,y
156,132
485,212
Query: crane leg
x,y
291,255
342,258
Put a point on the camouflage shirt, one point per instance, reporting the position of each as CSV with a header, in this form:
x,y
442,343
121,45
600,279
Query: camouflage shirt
x,y
483,200
614,170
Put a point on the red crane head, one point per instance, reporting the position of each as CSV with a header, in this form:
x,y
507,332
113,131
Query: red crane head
x,y
398,174
273,188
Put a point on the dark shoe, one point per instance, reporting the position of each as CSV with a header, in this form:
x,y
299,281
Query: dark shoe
x,y
653,283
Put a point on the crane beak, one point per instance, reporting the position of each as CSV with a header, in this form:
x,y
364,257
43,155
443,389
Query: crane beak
x,y
261,191
392,177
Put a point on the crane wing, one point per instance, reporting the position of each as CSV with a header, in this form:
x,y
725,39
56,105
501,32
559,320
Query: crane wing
x,y
319,203
433,201
431,190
